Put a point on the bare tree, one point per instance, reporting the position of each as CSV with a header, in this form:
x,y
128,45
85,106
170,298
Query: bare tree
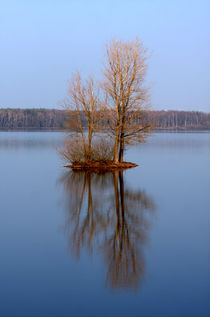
x,y
84,100
126,96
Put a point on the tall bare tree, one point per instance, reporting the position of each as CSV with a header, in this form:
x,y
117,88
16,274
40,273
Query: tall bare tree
x,y
126,96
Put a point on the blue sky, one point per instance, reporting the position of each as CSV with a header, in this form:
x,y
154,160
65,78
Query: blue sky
x,y
43,42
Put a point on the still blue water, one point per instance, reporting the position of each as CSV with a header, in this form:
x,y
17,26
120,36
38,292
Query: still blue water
x,y
129,244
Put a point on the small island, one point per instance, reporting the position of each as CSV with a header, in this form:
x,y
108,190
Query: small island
x,y
105,115
99,165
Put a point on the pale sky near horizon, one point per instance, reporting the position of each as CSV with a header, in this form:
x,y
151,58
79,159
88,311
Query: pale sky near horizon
x,y
43,42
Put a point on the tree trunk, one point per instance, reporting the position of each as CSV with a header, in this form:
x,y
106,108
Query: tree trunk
x,y
116,160
89,143
122,137
122,145
116,146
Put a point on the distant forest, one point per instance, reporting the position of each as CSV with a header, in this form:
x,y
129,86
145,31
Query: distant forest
x,y
55,119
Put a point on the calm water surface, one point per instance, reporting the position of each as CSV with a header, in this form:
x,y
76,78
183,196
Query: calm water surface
x,y
119,244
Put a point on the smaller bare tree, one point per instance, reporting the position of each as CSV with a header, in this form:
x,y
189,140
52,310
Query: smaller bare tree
x,y
84,101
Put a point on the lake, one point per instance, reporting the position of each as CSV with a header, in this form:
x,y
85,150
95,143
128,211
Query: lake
x,y
134,243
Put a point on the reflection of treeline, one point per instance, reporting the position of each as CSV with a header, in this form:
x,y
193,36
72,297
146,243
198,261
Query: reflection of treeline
x,y
55,119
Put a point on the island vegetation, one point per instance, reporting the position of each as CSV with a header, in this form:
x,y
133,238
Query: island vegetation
x,y
116,99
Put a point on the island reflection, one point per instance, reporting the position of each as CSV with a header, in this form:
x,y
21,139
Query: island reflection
x,y
104,214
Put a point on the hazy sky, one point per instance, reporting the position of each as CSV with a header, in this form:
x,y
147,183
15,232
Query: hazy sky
x,y
42,42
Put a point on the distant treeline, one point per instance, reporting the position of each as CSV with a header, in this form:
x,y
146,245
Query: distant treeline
x,y
32,118
56,119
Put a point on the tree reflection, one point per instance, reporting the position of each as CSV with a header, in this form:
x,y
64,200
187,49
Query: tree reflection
x,y
106,215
